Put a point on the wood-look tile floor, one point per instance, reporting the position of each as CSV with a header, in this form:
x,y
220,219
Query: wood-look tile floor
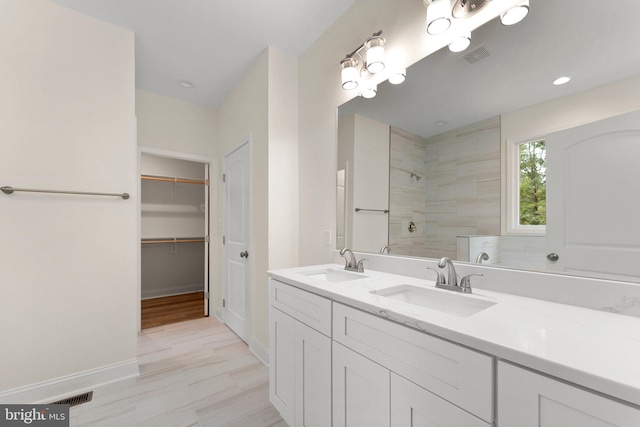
x,y
195,373
172,309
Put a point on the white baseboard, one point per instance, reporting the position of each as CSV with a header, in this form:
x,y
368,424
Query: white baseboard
x,y
219,313
70,385
167,292
260,351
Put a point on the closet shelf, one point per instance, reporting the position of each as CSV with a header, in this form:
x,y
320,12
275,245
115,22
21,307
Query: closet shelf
x,y
158,208
174,179
174,240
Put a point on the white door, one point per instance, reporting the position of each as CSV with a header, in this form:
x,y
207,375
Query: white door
x,y
593,198
237,240
206,243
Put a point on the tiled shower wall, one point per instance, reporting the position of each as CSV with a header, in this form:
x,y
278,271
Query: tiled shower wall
x,y
458,192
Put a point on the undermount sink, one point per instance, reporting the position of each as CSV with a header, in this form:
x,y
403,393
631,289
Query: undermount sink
x,y
451,303
333,275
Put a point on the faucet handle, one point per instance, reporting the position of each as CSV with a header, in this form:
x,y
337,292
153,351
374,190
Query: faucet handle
x,y
360,266
466,280
440,279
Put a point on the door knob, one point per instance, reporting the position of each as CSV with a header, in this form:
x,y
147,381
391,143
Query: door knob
x,y
553,256
244,254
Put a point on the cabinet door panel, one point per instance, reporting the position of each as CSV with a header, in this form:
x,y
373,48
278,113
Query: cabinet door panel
x,y
313,378
457,374
308,308
361,390
413,406
282,364
527,399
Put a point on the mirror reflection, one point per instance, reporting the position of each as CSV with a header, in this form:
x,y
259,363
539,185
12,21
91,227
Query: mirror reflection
x,y
478,156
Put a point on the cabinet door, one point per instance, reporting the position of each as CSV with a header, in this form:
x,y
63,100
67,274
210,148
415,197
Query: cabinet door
x,y
527,399
461,376
361,390
413,406
312,378
282,364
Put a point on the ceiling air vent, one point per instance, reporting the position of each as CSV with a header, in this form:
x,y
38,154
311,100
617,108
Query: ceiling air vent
x,y
476,55
75,400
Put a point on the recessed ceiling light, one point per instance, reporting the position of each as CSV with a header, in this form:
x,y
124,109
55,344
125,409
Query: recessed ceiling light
x,y
441,123
561,80
186,83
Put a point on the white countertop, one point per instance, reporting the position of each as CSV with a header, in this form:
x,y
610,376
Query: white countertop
x,y
594,349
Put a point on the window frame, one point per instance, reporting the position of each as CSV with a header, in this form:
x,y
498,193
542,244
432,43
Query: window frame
x,y
513,191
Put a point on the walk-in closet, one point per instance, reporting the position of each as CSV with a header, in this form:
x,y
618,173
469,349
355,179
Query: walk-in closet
x,y
174,247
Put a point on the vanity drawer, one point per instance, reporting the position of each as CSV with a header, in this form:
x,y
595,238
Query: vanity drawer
x,y
310,309
457,374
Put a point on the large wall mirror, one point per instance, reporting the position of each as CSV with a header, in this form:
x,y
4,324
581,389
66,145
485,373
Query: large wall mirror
x,y
478,156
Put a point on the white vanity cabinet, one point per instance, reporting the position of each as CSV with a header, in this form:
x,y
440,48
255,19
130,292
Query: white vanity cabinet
x,y
300,361
373,358
529,399
361,390
413,406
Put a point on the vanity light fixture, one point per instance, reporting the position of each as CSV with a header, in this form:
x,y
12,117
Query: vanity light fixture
x,y
461,42
562,80
350,73
438,16
515,14
363,63
370,92
374,48
398,77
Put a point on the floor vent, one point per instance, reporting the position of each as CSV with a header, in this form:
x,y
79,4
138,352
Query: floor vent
x,y
75,400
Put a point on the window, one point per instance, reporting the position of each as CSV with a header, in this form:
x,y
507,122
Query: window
x,y
532,184
526,187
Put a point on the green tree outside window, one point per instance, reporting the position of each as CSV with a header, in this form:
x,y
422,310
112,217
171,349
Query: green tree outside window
x,y
533,180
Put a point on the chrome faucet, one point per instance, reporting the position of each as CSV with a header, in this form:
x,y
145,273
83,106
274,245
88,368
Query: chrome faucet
x,y
482,256
452,276
385,249
352,264
451,282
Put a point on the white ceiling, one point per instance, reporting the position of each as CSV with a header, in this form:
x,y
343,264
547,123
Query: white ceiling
x,y
211,43
595,42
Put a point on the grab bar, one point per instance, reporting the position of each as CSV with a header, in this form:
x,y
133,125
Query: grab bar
x,y
372,210
10,190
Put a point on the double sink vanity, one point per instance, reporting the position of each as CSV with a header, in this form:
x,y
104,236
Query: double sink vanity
x,y
381,349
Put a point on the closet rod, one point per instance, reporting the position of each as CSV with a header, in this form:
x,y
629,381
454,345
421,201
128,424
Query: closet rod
x,y
198,240
9,190
172,179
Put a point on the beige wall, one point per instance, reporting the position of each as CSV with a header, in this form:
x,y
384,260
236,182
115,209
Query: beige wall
x,y
170,124
68,263
403,23
244,114
264,107
283,161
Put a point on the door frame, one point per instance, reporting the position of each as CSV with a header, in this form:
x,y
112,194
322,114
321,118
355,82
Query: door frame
x,y
221,311
213,216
